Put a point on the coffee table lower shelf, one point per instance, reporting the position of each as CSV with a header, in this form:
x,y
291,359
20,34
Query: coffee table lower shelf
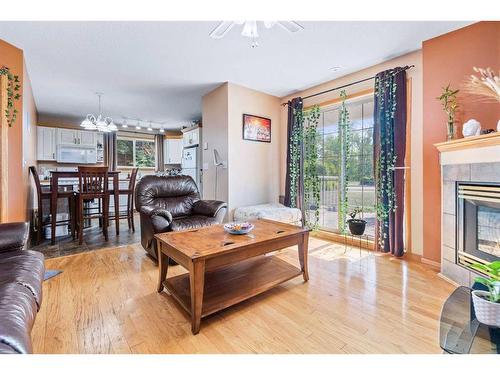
x,y
230,285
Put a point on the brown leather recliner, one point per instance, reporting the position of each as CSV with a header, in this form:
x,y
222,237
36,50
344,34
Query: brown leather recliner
x,y
172,203
21,276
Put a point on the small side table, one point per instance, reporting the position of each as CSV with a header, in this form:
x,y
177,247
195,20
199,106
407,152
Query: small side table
x,y
459,330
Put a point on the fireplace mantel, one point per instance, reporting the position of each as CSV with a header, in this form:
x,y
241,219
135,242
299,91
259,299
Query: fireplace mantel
x,y
485,140
471,150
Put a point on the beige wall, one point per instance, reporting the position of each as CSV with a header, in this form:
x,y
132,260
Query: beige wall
x,y
215,135
254,167
416,128
252,176
30,118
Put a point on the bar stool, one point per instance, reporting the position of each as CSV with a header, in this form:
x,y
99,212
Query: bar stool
x,y
129,192
45,195
92,184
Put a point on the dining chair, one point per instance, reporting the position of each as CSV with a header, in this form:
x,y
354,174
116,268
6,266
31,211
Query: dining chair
x,y
92,184
129,192
45,195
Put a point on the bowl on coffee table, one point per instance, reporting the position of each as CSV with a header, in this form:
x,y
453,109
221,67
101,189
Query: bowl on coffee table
x,y
238,227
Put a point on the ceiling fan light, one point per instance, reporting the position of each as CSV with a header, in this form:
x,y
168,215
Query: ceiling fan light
x,y
162,130
250,29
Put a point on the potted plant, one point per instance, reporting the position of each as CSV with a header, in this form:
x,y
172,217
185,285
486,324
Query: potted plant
x,y
448,100
487,303
356,226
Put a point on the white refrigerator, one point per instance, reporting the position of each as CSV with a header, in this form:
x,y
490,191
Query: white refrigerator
x,y
191,164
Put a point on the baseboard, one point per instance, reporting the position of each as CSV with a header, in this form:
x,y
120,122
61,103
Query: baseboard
x,y
447,279
431,262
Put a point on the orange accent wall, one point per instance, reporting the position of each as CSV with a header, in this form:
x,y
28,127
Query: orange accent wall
x,y
12,58
449,58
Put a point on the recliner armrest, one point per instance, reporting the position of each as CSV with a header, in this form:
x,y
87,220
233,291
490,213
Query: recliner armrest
x,y
208,207
13,236
160,217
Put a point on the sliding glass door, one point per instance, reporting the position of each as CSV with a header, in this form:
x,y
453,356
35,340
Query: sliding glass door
x,y
357,166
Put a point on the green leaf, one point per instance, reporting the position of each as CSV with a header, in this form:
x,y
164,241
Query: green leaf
x,y
482,280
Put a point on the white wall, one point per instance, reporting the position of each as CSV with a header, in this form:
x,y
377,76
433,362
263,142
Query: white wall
x,y
253,168
215,134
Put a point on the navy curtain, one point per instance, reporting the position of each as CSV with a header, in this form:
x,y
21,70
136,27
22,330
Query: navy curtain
x,y
389,138
294,183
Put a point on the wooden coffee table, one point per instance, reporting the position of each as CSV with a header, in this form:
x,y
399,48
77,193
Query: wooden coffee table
x,y
225,269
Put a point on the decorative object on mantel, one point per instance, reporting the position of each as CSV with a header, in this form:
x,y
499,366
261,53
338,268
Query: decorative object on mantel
x,y
471,128
487,303
449,102
99,122
486,86
13,87
498,126
487,131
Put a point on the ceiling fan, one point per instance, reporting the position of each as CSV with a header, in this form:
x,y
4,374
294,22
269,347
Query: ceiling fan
x,y
250,28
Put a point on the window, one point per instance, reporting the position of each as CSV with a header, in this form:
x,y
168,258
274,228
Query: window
x,y
359,168
135,152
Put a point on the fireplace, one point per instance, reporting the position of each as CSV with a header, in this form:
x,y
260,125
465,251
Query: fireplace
x,y
477,222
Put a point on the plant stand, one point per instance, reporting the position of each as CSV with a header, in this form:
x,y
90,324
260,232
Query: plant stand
x,y
356,239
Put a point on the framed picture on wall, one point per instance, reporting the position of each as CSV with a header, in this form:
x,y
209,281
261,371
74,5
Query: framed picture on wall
x,y
256,128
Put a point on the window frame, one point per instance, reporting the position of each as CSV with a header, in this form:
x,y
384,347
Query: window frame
x,y
361,100
134,140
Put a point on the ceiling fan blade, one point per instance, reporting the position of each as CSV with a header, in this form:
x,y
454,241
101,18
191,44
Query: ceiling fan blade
x,y
269,24
290,26
222,29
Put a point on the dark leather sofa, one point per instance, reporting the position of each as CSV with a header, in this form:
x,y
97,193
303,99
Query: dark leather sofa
x,y
21,277
172,203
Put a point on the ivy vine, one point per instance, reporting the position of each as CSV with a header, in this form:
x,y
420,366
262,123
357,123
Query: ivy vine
x,y
295,156
345,132
13,88
311,178
385,95
304,164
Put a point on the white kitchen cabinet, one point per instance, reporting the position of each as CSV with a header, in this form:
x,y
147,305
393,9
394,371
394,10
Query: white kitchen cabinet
x,y
191,137
70,137
67,137
173,151
46,143
86,138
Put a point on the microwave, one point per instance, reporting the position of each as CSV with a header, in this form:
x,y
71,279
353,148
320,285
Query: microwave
x,y
76,155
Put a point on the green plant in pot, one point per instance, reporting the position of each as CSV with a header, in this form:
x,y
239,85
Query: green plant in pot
x,y
448,99
487,303
356,226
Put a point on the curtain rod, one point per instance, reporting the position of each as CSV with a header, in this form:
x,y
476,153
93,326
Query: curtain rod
x,y
347,85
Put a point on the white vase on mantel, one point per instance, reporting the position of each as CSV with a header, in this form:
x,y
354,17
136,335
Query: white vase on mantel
x,y
471,128
498,126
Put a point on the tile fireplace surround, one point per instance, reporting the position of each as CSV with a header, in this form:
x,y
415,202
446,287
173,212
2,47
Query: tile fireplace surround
x,y
468,159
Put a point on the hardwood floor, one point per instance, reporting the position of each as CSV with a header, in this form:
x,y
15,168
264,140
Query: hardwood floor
x,y
105,301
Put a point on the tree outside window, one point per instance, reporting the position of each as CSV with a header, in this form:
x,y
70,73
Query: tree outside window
x,y
138,153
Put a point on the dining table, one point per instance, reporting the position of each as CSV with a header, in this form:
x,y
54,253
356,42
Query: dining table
x,y
55,176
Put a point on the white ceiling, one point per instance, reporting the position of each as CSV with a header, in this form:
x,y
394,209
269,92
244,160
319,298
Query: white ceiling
x,y
160,70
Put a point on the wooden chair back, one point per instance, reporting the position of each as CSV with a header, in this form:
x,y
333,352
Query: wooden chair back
x,y
133,177
93,181
36,178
